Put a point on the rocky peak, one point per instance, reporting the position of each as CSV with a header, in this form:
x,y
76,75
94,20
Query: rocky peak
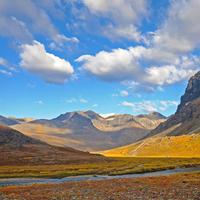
x,y
153,116
187,117
92,115
192,91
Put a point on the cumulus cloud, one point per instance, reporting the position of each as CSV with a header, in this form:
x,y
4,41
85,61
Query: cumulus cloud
x,y
149,106
49,67
140,66
180,31
166,58
120,25
118,64
167,74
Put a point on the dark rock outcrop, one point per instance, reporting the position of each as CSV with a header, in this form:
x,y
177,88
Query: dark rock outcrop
x,y
186,120
192,91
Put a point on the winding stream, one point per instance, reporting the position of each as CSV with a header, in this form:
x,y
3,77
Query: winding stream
x,y
28,181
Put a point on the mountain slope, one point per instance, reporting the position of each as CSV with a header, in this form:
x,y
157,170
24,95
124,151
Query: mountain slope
x,y
177,136
18,149
8,121
168,146
89,131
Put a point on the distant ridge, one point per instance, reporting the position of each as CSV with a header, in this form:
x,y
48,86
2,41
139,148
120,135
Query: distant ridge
x,y
89,131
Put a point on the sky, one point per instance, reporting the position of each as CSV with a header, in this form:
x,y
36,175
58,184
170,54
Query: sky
x,y
110,56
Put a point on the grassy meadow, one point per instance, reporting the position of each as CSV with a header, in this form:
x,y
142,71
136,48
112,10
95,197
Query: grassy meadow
x,y
112,166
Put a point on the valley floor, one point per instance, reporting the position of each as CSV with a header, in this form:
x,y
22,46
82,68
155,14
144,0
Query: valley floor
x,y
176,187
108,166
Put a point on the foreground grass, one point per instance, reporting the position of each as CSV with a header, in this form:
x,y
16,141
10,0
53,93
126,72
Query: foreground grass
x,y
176,187
115,166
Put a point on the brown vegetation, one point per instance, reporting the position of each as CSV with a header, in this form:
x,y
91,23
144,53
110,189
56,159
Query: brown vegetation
x,y
176,187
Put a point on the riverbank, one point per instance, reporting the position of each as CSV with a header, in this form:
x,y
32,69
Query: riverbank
x,y
31,181
176,187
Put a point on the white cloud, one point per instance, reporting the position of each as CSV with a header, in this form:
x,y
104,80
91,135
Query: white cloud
x,y
163,61
8,69
167,74
5,72
49,67
60,40
124,93
22,19
149,106
24,10
122,64
164,105
128,65
118,64
127,104
180,31
14,28
120,25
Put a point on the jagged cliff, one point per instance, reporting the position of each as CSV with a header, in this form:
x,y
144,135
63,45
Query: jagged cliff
x,y
186,120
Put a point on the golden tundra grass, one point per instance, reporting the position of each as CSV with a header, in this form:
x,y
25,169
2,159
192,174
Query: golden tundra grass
x,y
173,146
113,167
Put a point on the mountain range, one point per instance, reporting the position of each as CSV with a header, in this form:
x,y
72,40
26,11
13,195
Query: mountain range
x,y
89,131
118,135
178,136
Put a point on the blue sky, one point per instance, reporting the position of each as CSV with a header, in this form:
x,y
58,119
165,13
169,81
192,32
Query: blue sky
x,y
119,56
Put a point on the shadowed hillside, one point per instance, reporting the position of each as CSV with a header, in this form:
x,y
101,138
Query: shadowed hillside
x,y
18,149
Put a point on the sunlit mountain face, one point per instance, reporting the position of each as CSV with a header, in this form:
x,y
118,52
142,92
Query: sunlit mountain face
x,y
117,57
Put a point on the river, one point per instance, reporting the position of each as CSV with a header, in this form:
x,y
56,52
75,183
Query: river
x,y
28,181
